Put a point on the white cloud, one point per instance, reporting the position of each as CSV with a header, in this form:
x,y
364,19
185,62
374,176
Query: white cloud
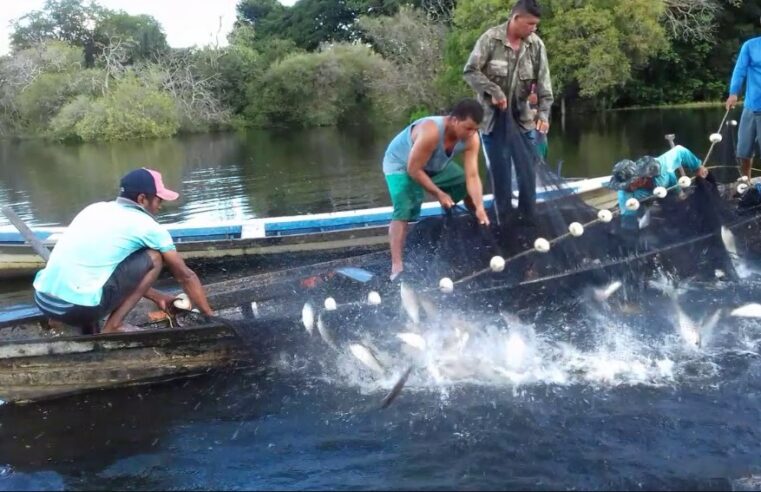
x,y
185,22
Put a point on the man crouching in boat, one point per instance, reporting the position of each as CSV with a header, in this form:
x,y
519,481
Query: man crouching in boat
x,y
110,256
419,159
639,179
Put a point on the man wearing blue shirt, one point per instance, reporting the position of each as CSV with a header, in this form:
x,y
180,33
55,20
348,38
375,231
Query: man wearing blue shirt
x,y
110,256
748,71
639,179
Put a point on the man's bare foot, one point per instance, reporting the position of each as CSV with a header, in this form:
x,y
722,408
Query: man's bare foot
x,y
124,328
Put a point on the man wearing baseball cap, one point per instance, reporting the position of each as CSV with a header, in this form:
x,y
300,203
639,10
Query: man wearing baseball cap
x,y
110,256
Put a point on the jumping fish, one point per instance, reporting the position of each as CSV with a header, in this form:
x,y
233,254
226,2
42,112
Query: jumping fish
x,y
391,396
428,307
729,243
602,295
644,221
325,333
366,357
410,303
307,317
687,328
752,310
413,340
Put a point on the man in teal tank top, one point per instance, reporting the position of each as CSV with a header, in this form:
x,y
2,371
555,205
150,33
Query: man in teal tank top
x,y
419,159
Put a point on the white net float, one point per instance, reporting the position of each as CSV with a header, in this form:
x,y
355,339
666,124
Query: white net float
x,y
576,229
660,192
541,245
632,204
182,302
497,264
715,138
605,215
373,298
330,304
446,285
742,188
684,182
732,123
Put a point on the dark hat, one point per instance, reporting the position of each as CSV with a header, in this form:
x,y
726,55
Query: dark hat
x,y
146,181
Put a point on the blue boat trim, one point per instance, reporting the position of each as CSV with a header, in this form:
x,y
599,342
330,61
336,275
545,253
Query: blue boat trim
x,y
304,224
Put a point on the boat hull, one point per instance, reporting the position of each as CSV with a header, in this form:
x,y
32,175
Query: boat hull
x,y
50,366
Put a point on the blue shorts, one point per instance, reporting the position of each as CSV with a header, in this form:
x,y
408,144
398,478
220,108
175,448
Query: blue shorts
x,y
749,134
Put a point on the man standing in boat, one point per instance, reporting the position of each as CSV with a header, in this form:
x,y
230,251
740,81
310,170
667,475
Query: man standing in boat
x,y
748,70
419,159
110,256
508,65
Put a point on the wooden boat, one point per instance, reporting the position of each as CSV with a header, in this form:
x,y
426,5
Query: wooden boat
x,y
275,241
39,362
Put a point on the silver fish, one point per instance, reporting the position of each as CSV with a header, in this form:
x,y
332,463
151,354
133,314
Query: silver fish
x,y
602,295
752,310
366,357
413,340
325,333
729,243
687,328
644,221
410,303
391,396
307,317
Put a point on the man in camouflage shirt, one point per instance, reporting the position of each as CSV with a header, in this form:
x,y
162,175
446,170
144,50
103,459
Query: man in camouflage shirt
x,y
508,65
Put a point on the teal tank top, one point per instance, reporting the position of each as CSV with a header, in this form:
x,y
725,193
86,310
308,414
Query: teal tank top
x,y
398,151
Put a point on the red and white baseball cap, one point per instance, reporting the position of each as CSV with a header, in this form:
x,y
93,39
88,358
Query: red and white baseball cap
x,y
147,181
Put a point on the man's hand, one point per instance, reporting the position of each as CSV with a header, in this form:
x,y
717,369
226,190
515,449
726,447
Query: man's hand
x,y
542,126
483,219
500,103
731,102
165,302
701,172
445,200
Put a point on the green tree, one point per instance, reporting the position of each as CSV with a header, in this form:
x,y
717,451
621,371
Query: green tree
x,y
129,111
336,85
70,21
90,27
143,33
405,39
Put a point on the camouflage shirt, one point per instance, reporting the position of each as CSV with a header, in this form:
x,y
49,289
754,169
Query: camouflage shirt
x,y
494,69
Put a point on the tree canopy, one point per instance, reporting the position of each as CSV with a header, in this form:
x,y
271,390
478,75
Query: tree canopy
x,y
76,65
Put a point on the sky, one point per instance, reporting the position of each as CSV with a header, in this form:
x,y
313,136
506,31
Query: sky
x,y
186,22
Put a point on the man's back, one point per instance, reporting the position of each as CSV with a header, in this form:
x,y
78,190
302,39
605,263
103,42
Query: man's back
x,y
99,238
748,70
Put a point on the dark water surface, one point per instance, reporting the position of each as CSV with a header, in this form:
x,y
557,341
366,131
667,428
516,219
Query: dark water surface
x,y
633,409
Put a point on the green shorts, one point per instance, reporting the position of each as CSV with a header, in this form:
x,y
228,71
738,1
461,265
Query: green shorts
x,y
407,194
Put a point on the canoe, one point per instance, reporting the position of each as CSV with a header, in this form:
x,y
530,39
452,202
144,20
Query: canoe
x,y
274,241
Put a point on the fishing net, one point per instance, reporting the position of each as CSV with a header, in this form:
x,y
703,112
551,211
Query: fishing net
x,y
559,242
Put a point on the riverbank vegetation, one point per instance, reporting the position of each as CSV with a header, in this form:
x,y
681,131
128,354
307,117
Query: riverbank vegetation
x,y
79,71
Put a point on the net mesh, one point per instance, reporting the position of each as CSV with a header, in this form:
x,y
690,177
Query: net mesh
x,y
683,237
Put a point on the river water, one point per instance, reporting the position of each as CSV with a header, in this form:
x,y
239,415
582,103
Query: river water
x,y
519,407
235,176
